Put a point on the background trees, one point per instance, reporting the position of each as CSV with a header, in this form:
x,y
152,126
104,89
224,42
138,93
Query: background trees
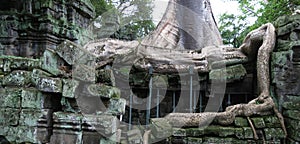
x,y
234,27
123,19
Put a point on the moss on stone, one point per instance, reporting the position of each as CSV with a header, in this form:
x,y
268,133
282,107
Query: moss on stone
x,y
241,122
258,122
69,88
10,98
231,73
17,78
50,85
271,133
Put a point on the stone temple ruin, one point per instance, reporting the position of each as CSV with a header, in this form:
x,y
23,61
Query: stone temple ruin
x,y
53,90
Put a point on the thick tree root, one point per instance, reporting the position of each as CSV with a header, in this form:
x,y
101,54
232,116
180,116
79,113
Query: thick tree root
x,y
262,105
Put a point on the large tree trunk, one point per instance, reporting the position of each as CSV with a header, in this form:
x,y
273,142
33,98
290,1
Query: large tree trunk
x,y
186,24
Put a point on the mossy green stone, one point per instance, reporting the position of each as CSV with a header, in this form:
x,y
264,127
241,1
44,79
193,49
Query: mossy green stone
x,y
69,88
226,131
32,98
180,132
51,62
10,98
271,133
195,132
239,133
20,63
116,106
17,78
294,114
30,117
9,116
37,74
281,31
50,85
294,134
258,122
271,121
294,124
248,133
22,134
231,73
193,140
241,122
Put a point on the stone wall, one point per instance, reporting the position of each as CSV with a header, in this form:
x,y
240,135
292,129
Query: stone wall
x,y
285,73
57,99
28,27
268,130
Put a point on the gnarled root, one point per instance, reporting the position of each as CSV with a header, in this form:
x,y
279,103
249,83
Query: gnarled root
x,y
262,105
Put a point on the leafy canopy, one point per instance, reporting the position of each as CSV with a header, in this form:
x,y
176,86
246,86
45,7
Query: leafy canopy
x,y
234,27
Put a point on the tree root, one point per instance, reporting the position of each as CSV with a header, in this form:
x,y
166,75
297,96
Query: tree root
x,y
253,128
262,105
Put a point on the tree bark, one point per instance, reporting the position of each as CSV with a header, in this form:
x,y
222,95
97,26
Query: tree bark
x,y
185,25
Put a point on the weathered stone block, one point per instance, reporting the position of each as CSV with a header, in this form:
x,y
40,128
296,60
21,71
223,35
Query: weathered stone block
x,y
10,98
280,60
66,136
37,74
117,106
22,134
294,114
105,124
160,128
51,62
84,73
294,124
294,134
179,132
100,90
50,85
17,78
32,98
239,133
271,133
226,131
66,117
69,88
281,31
29,117
195,132
271,121
231,73
291,105
241,122
248,133
192,140
74,54
258,122
9,117
20,63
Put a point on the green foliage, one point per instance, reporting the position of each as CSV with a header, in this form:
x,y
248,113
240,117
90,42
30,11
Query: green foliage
x,y
230,28
124,19
234,28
